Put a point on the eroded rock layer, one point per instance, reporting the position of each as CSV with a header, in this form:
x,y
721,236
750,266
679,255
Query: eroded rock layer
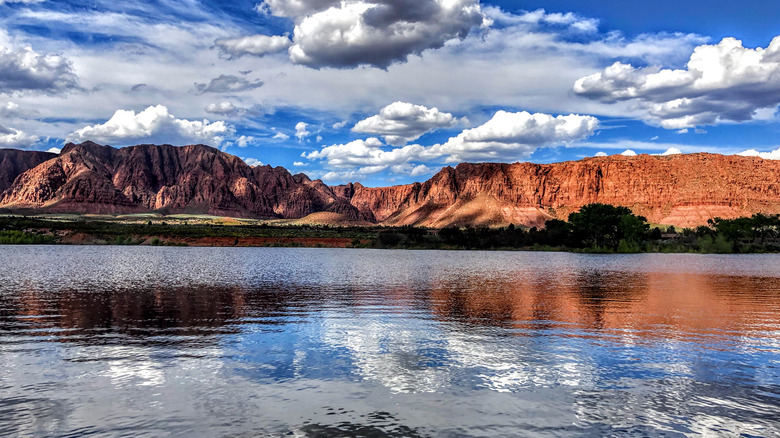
x,y
14,162
681,190
90,178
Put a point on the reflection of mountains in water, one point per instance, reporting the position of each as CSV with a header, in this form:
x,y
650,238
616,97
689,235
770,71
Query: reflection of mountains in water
x,y
644,304
639,304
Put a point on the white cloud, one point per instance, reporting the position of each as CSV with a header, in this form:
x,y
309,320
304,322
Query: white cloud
x,y
365,153
154,124
224,108
722,83
295,8
628,153
257,45
373,32
252,161
672,151
541,17
516,136
401,122
601,154
21,1
340,124
300,131
54,150
771,155
420,170
506,136
682,131
280,136
300,164
14,138
511,63
27,70
244,141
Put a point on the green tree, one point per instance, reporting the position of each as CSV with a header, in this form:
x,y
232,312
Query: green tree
x,y
603,225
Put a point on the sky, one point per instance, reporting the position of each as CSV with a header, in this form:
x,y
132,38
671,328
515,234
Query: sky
x,y
389,91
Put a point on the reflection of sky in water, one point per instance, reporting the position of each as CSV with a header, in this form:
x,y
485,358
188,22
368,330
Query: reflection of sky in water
x,y
271,341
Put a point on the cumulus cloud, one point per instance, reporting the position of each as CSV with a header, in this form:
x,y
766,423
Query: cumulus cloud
x,y
252,161
516,136
227,84
257,45
339,125
154,124
14,138
350,33
421,169
505,136
244,141
224,108
54,150
300,164
628,153
601,154
367,155
722,83
280,136
771,155
27,70
300,131
400,122
672,151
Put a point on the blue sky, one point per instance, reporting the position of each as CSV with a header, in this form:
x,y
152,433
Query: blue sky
x,y
389,91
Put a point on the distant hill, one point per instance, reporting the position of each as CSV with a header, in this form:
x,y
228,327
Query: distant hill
x,y
681,190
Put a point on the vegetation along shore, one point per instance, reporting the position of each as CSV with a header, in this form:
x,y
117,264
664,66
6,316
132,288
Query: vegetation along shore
x,y
598,228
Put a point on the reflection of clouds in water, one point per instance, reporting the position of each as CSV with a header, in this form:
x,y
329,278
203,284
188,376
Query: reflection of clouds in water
x,y
133,367
423,358
129,366
388,351
520,364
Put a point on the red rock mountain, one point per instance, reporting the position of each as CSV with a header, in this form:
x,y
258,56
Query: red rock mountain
x,y
90,178
682,190
14,162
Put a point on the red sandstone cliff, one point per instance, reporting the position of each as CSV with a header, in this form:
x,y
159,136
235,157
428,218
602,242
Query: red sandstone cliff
x,y
682,190
90,178
14,162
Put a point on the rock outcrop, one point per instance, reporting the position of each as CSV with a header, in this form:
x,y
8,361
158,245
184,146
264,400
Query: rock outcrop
x,y
90,178
680,190
14,162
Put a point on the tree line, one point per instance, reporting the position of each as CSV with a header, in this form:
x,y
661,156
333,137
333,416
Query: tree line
x,y
600,228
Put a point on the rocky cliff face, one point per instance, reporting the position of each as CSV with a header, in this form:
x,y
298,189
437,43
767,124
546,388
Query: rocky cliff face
x,y
681,190
14,162
90,178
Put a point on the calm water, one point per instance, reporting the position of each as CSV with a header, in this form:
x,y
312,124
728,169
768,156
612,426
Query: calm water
x,y
143,341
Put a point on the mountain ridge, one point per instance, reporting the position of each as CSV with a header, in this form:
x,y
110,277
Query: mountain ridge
x,y
681,190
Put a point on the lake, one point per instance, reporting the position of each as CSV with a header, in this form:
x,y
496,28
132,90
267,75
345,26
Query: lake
x,y
155,341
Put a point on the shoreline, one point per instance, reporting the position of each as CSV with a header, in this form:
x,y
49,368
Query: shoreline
x,y
222,232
